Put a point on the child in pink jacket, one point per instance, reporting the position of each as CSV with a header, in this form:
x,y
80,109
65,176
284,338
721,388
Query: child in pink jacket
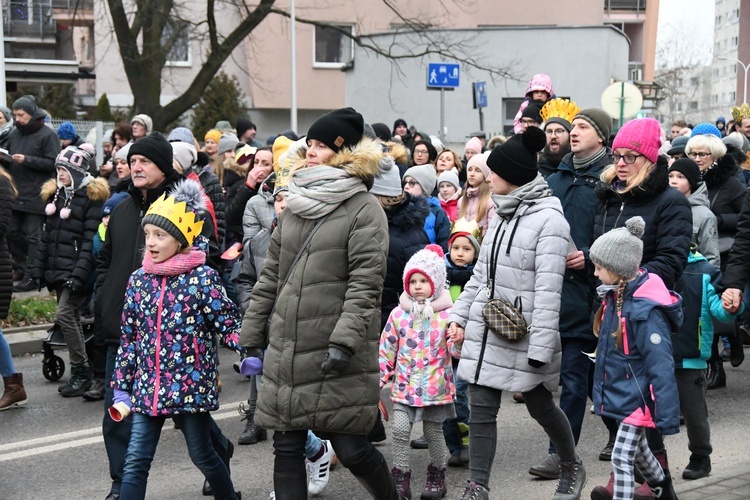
x,y
539,89
415,351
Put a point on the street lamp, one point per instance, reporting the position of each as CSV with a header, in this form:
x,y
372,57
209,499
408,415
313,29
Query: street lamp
x,y
744,67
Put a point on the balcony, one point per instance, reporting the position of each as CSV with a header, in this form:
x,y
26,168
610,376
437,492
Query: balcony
x,y
637,6
37,19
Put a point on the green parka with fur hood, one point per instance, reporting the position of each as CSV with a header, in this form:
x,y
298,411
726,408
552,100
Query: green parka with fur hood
x,y
331,298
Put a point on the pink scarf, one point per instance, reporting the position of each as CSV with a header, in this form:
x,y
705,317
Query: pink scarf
x,y
178,264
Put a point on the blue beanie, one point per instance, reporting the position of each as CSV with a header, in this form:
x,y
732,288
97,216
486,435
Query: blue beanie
x,y
66,131
112,202
706,129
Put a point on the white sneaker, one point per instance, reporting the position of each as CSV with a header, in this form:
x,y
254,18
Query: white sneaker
x,y
320,471
272,496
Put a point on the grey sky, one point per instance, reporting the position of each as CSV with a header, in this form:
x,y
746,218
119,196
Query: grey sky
x,y
685,34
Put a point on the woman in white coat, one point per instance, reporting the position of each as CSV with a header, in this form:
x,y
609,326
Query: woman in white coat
x,y
524,250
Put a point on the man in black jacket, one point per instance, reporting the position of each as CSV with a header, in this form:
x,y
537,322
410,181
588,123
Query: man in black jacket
x,y
152,174
34,148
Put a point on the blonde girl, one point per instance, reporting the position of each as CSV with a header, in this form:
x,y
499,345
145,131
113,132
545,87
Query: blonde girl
x,y
476,202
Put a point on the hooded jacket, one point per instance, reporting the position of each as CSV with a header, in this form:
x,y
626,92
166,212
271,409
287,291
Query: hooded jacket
x,y
725,195
330,299
405,238
436,225
699,286
635,383
576,190
705,233
67,244
531,249
40,146
666,211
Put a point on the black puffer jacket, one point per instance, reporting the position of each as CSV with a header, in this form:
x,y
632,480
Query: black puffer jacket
x,y
407,236
6,269
212,188
66,249
40,145
669,221
725,196
237,195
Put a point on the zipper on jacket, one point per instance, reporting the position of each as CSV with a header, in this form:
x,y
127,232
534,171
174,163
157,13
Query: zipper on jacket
x,y
158,344
622,207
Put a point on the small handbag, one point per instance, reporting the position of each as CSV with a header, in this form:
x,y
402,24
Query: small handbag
x,y
501,317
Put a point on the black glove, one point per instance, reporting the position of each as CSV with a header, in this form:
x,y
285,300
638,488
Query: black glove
x,y
336,361
75,286
252,352
536,363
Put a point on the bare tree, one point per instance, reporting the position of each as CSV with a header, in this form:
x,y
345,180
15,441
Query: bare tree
x,y
147,30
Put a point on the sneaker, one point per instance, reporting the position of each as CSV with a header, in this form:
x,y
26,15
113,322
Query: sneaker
x,y
419,443
320,470
572,481
475,491
26,285
96,391
699,466
548,469
435,484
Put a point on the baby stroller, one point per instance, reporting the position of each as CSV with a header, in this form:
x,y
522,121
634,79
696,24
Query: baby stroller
x,y
53,366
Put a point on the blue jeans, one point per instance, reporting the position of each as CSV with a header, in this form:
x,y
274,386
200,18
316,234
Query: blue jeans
x,y
576,375
312,445
6,359
144,437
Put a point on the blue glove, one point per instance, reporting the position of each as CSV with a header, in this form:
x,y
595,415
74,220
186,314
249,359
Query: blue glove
x,y
121,397
251,366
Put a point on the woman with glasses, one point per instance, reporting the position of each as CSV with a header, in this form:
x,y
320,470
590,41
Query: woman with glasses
x,y
637,183
725,194
423,153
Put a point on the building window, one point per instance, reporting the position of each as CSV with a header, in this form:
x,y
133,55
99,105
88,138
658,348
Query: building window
x,y
693,105
694,81
732,97
715,99
333,49
177,33
679,106
510,108
735,41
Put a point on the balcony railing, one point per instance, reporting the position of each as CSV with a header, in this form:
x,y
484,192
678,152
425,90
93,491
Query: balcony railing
x,y
629,5
27,18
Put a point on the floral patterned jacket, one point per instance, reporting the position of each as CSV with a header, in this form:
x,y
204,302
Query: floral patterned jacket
x,y
168,352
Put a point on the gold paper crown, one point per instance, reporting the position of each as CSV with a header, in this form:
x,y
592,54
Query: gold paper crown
x,y
740,113
559,108
464,226
177,214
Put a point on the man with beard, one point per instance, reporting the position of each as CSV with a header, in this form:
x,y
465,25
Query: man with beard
x,y
574,184
34,148
558,145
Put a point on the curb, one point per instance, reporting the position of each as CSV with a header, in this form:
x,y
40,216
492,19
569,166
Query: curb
x,y
26,340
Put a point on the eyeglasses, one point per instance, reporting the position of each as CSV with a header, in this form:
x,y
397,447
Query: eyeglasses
x,y
420,152
694,154
559,132
410,183
628,159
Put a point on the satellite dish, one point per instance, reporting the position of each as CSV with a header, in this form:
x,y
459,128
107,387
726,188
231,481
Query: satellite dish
x,y
622,100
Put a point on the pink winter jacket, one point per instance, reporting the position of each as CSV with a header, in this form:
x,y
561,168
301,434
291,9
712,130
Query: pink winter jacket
x,y
472,207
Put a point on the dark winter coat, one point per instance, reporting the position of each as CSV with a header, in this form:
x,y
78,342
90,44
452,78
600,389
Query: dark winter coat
x,y
331,299
212,188
406,236
237,194
737,272
122,253
669,221
635,382
40,145
6,269
576,190
67,244
725,195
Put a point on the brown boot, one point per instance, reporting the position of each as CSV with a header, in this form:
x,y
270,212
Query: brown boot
x,y
14,395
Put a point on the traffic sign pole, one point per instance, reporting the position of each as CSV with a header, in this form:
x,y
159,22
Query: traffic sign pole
x,y
442,116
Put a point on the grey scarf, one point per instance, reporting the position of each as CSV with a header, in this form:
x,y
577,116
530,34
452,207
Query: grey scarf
x,y
506,204
315,192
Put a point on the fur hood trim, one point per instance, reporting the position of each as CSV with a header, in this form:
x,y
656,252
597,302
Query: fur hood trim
x,y
718,173
362,161
96,190
398,152
238,169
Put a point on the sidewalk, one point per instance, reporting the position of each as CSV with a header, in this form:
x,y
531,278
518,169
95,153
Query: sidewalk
x,y
26,339
730,485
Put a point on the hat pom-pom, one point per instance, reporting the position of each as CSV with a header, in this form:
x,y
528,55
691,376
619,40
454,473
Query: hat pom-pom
x,y
50,209
636,225
435,248
64,213
534,139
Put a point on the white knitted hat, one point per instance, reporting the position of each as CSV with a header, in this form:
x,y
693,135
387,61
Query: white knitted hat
x,y
429,261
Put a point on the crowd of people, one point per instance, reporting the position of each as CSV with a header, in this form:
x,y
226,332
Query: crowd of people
x,y
609,266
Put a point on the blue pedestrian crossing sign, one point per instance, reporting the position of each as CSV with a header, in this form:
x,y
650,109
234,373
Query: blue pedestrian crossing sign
x,y
480,95
443,75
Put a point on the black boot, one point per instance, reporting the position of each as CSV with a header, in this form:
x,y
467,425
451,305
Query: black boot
x,y
717,377
251,434
379,483
737,351
665,489
80,381
606,454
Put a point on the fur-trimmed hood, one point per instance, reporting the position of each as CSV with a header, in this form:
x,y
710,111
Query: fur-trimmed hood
x,y
655,183
362,161
96,190
720,171
398,152
238,169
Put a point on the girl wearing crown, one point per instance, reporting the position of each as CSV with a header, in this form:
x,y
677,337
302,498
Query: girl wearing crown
x,y
64,260
166,363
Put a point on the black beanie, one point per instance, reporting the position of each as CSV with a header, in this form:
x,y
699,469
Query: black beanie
x,y
533,111
156,148
382,131
431,151
340,128
242,126
690,170
515,160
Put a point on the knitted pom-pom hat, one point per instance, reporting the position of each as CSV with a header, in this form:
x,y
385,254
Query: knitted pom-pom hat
x,y
620,250
430,261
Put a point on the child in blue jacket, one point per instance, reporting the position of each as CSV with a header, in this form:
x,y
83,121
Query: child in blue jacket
x,y
700,287
166,366
634,380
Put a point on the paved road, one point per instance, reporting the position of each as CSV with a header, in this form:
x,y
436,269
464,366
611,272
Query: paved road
x,y
54,449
